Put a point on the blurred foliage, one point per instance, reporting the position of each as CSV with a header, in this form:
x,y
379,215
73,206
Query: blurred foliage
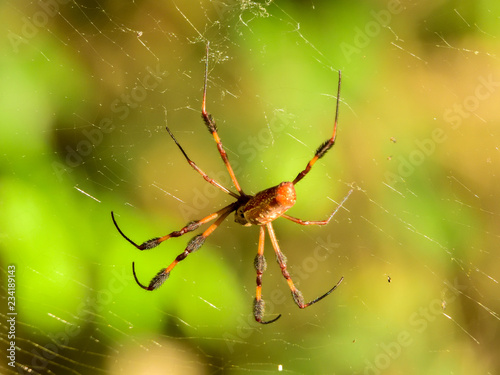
x,y
86,92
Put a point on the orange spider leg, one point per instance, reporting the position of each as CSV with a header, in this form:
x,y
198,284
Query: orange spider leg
x,y
260,266
325,146
192,225
194,244
296,294
320,222
212,128
198,169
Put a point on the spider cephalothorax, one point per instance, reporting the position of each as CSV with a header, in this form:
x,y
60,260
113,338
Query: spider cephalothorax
x,y
266,205
260,209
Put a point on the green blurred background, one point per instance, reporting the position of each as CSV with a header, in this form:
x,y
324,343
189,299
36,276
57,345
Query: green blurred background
x,y
86,91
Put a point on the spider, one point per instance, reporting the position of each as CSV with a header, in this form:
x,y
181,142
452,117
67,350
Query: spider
x,y
260,209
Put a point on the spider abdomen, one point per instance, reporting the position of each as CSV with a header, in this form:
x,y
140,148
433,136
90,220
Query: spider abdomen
x,y
267,205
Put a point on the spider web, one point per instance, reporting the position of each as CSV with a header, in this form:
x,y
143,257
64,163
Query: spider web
x,y
88,88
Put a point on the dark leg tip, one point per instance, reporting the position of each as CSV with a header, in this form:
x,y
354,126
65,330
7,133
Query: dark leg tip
x,y
269,321
137,280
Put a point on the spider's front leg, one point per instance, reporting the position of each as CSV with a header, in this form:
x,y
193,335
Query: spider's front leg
x,y
194,244
191,226
153,242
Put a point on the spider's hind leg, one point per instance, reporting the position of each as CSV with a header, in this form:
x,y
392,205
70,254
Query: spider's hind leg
x,y
319,222
296,294
325,146
260,267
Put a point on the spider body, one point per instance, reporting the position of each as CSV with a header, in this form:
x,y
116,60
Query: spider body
x,y
267,205
260,209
